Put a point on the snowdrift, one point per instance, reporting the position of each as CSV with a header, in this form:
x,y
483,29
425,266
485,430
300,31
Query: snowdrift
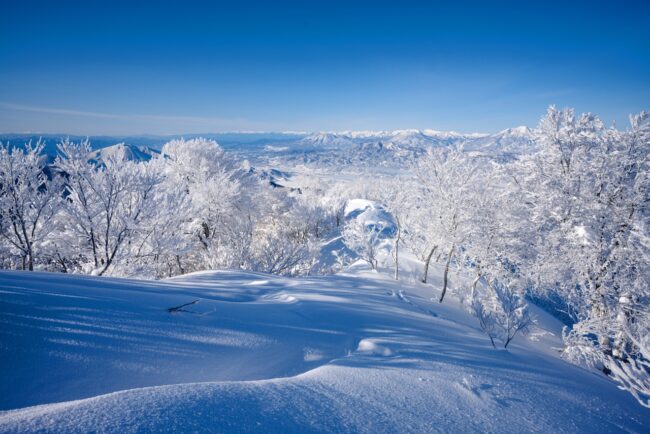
x,y
355,352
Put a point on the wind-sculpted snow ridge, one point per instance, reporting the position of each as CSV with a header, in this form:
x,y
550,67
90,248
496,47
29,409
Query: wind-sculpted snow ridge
x,y
353,352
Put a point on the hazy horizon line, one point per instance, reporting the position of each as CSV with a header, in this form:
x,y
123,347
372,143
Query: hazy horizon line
x,y
143,117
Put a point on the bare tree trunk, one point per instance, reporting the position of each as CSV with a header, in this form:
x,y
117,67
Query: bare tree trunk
x,y
110,255
446,275
475,282
28,247
62,262
180,266
397,252
397,259
94,244
104,268
30,255
427,262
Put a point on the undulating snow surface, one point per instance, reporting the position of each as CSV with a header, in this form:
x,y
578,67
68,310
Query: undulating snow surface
x,y
354,352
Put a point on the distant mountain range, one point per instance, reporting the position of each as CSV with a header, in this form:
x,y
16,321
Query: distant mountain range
x,y
387,148
382,148
418,138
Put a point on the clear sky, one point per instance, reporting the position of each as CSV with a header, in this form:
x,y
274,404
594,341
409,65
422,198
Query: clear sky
x,y
111,67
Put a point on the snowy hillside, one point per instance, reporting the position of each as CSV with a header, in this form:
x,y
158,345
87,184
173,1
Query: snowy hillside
x,y
354,352
380,282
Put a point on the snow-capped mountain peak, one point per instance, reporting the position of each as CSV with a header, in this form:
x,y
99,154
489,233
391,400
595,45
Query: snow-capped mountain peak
x,y
520,131
123,151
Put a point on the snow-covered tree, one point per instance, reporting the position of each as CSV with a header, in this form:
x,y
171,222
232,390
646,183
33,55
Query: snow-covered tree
x,y
106,204
445,177
220,212
282,248
29,201
631,369
363,239
588,191
396,196
162,239
485,312
513,315
498,249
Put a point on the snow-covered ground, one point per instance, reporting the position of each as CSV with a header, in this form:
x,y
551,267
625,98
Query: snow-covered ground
x,y
354,352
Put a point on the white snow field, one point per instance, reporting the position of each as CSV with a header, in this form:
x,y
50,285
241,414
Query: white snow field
x,y
354,352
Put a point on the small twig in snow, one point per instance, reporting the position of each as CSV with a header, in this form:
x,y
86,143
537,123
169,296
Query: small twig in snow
x,y
180,308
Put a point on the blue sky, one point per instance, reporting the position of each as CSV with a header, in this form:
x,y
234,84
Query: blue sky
x,y
189,67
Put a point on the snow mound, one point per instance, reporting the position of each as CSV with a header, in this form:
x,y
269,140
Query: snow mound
x,y
369,346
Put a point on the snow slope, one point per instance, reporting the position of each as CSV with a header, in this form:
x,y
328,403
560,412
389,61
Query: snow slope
x,y
354,352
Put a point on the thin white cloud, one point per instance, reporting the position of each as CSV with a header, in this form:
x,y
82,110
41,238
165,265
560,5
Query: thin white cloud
x,y
26,108
60,111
